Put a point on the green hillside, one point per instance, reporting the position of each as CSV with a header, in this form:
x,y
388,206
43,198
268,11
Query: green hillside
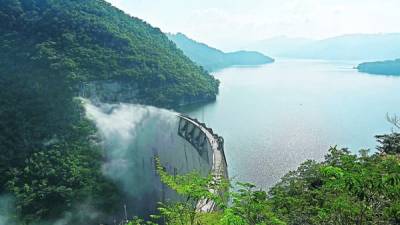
x,y
213,59
48,50
91,40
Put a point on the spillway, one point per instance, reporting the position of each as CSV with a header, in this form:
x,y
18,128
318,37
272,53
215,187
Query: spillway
x,y
133,136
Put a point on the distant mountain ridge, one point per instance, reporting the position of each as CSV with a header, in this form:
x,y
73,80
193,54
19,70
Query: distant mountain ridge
x,y
366,47
388,67
278,46
213,59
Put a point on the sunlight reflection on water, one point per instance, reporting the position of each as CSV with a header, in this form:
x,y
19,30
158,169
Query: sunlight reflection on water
x,y
276,116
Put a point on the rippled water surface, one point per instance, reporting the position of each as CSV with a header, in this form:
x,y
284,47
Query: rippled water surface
x,y
275,116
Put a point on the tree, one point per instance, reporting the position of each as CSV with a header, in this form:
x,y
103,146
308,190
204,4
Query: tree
x,y
389,143
192,187
351,189
250,207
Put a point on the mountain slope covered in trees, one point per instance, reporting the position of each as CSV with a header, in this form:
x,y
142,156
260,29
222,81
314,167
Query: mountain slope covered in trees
x,y
48,50
213,59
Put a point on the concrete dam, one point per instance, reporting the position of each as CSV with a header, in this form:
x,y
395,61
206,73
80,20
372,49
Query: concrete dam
x,y
133,136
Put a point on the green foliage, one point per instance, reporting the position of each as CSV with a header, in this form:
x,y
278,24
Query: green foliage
x,y
60,178
192,187
389,143
250,206
344,189
138,221
213,218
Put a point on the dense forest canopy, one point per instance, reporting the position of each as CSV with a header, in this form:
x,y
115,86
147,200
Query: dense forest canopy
x,y
91,40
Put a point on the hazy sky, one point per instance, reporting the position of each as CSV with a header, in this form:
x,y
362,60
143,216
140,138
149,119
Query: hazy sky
x,y
226,23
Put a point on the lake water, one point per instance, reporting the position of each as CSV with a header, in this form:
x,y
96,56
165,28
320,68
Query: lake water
x,y
275,116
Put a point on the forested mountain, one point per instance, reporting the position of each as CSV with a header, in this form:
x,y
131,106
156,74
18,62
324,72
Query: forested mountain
x,y
50,52
213,59
346,47
388,67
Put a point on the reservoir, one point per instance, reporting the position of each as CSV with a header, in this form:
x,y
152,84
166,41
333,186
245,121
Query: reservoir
x,y
276,116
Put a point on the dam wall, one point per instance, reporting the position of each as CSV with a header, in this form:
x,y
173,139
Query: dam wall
x,y
134,136
210,147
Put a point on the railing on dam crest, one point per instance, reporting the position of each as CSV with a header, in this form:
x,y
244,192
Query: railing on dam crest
x,y
210,147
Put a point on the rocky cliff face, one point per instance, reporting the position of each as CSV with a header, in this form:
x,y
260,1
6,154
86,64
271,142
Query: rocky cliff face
x,y
127,91
110,91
